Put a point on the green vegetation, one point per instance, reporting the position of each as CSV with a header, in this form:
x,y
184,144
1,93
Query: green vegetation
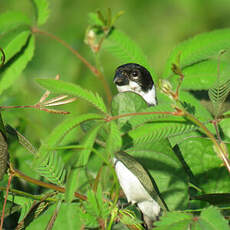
x,y
60,172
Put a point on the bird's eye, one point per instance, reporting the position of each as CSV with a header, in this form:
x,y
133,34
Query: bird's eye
x,y
135,73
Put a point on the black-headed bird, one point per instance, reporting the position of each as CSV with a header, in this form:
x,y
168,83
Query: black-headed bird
x,y
136,78
133,178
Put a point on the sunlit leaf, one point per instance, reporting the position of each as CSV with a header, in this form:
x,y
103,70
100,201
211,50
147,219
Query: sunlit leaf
x,y
199,48
9,74
42,11
12,19
59,86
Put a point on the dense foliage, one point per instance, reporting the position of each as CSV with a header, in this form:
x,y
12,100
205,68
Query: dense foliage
x,y
68,180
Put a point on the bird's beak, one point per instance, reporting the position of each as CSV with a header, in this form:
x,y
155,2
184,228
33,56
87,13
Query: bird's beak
x,y
120,79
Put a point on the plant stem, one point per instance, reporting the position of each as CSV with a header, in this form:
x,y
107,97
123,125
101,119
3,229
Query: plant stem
x,y
28,195
94,70
5,200
111,118
19,174
223,154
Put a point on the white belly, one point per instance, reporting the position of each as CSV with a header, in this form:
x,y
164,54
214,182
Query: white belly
x,y
133,189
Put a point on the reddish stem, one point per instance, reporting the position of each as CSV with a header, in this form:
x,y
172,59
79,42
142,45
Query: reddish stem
x,y
19,174
5,201
108,119
94,70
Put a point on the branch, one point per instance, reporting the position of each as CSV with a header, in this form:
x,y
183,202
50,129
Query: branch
x,y
19,174
42,103
94,70
111,118
5,201
222,152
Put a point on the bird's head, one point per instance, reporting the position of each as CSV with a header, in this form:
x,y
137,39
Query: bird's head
x,y
136,78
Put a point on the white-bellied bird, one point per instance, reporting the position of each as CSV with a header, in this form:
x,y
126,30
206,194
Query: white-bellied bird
x,y
133,178
138,187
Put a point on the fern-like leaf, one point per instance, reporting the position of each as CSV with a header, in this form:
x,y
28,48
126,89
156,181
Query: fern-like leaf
x,y
114,141
59,132
88,143
202,76
157,131
199,48
4,155
137,120
52,168
218,95
79,166
74,90
21,139
26,206
126,50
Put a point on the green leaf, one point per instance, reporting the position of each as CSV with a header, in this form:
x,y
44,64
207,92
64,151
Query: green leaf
x,y
9,74
52,168
95,208
166,170
205,165
60,131
12,19
58,86
13,42
4,155
68,218
156,131
114,141
174,221
225,126
42,11
199,110
127,102
199,48
202,76
21,139
218,95
138,120
126,50
88,143
10,207
211,219
78,169
25,208
94,20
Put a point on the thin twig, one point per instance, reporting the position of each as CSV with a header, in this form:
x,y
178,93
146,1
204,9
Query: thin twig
x,y
5,201
94,70
223,155
54,216
25,194
19,174
215,124
111,118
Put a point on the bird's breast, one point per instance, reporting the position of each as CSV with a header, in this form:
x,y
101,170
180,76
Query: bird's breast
x,y
132,187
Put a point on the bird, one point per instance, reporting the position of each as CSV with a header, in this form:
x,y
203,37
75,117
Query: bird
x,y
134,180
136,78
138,187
